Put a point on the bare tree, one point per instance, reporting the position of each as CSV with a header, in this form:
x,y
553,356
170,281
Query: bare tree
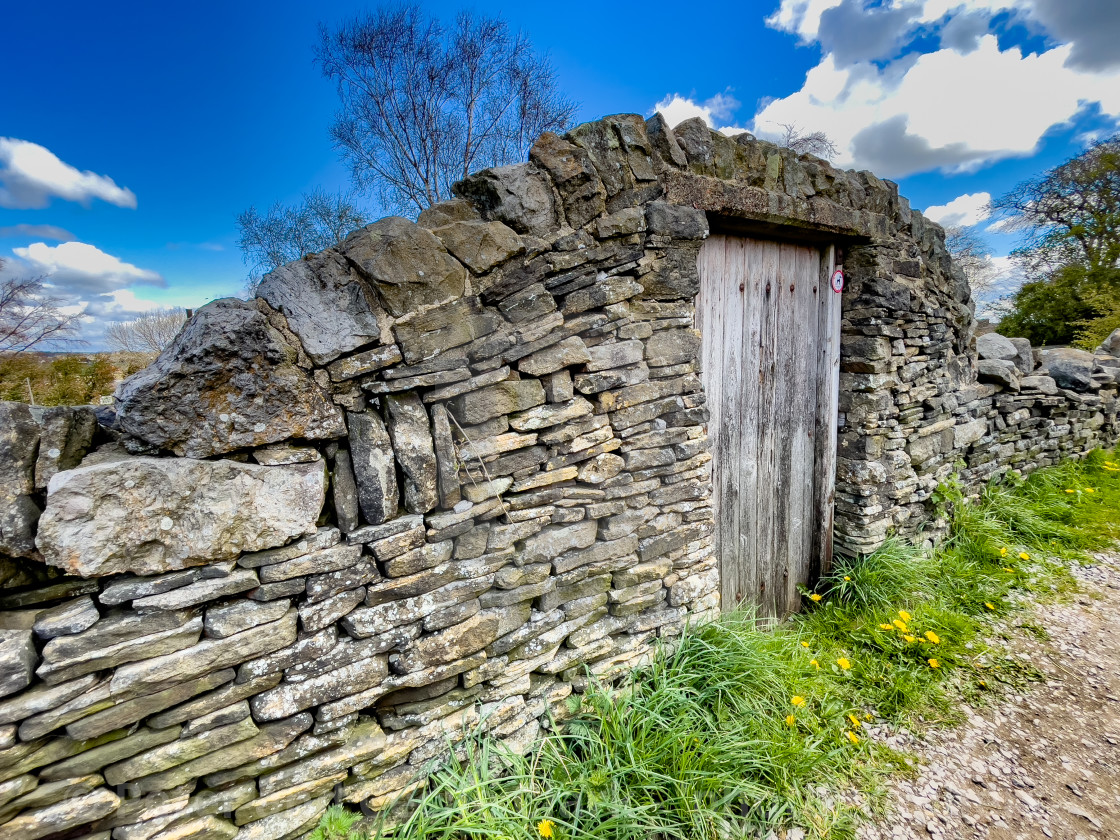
x,y
423,106
285,233
804,142
971,255
149,333
30,316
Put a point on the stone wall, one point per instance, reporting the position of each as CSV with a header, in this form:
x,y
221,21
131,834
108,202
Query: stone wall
x,y
435,479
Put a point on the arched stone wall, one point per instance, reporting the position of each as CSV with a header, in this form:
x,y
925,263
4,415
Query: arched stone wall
x,y
432,479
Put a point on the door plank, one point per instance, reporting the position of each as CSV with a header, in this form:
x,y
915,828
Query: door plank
x,y
750,552
769,335
827,413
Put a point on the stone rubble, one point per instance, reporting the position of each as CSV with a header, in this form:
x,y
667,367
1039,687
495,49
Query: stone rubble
x,y
1039,763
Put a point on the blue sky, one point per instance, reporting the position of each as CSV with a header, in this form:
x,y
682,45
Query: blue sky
x,y
135,132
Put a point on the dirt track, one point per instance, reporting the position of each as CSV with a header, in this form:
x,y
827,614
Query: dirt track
x,y
1041,764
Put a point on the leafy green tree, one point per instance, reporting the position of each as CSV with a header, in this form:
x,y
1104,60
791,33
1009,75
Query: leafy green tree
x,y
1071,256
1052,310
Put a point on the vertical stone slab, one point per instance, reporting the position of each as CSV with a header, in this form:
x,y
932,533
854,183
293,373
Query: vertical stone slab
x,y
345,492
447,462
412,442
17,660
375,472
19,442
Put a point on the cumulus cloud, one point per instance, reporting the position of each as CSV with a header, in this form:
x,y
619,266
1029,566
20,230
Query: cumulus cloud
x,y
1091,26
30,175
948,110
963,211
86,281
78,271
676,109
853,32
896,104
51,232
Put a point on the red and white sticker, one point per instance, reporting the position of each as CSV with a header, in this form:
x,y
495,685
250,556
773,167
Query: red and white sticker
x,y
837,280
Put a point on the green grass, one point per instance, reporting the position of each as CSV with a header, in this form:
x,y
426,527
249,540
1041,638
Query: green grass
x,y
710,742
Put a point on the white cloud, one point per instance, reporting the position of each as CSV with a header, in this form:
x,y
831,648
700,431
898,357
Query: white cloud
x,y
676,109
963,211
30,175
801,17
77,271
948,110
957,107
87,281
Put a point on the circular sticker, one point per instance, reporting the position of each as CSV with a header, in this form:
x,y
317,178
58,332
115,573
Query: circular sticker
x,y
837,280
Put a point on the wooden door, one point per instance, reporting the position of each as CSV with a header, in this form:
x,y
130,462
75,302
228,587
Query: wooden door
x,y
770,326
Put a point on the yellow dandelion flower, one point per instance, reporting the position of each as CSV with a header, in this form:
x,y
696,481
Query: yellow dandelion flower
x,y
933,637
844,663
847,577
545,828
900,624
854,720
988,604
1024,556
886,626
1070,491
815,664
1090,490
804,644
909,639
853,737
905,616
1003,552
814,597
1008,569
797,700
867,716
791,720
933,663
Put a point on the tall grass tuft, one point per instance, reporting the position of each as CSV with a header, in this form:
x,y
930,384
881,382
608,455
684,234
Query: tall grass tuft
x,y
739,727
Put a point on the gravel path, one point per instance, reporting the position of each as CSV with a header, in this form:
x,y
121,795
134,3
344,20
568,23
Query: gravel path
x,y
1041,764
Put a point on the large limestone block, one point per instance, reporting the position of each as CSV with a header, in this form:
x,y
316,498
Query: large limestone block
x,y
228,381
1000,371
672,347
62,816
574,175
19,441
152,515
995,346
479,245
407,263
327,305
1072,369
518,195
676,221
1024,359
503,398
1110,346
66,433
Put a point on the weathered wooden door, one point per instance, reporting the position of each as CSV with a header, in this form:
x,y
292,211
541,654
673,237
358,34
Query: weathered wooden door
x,y
770,323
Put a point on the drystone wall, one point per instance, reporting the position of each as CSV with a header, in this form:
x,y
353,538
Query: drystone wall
x,y
436,479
